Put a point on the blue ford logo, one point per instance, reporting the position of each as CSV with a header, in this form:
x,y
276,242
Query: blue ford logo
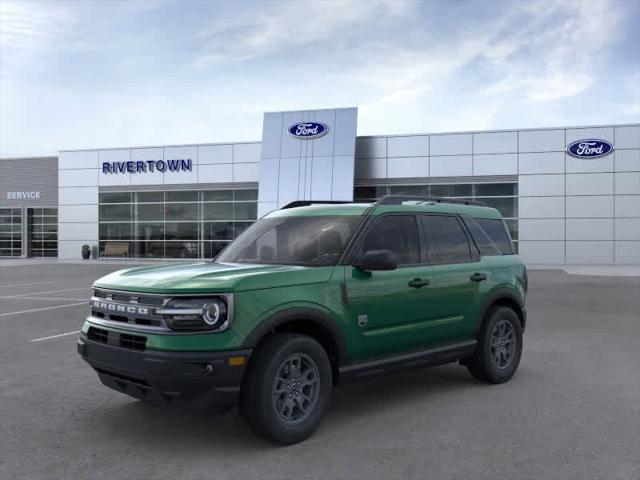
x,y
308,130
590,148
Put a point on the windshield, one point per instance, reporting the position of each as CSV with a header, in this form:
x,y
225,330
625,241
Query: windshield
x,y
308,241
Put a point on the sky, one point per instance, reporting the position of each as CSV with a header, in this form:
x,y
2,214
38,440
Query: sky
x,y
85,74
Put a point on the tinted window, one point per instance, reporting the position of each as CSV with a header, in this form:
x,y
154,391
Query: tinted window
x,y
398,233
446,240
497,232
483,241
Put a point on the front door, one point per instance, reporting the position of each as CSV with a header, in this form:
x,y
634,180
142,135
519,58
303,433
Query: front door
x,y
388,306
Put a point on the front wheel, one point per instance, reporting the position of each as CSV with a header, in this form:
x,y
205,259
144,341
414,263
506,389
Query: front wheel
x,y
499,349
287,388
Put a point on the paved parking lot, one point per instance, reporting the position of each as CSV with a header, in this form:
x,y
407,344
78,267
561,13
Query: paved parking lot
x,y
572,410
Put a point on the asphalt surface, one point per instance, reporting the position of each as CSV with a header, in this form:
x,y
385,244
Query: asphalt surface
x,y
571,411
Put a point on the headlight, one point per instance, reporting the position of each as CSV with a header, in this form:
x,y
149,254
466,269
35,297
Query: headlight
x,y
196,314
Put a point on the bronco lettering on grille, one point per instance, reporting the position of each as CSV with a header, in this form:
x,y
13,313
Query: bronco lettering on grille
x,y
118,307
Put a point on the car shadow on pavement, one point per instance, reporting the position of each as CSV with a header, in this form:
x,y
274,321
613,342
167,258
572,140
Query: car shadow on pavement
x,y
178,430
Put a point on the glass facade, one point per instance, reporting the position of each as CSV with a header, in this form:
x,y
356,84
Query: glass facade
x,y
174,224
42,228
10,232
502,196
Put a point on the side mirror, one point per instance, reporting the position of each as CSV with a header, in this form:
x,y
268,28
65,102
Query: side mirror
x,y
377,260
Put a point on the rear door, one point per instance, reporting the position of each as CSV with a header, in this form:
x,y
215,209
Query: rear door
x,y
455,272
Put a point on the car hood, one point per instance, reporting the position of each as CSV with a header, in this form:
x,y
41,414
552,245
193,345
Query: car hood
x,y
206,277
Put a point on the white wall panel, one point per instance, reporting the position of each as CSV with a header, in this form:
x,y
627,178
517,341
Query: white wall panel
x,y
371,168
628,137
451,166
627,160
627,205
410,146
585,165
589,252
541,229
215,173
590,184
541,252
122,155
181,176
77,213
589,229
215,154
545,162
77,231
590,206
540,185
246,153
79,159
601,133
291,146
346,125
78,178
541,141
246,172
143,155
77,195
266,207
627,228
321,177
404,167
628,253
500,164
268,179
628,183
342,178
541,207
452,144
272,134
323,146
371,147
496,142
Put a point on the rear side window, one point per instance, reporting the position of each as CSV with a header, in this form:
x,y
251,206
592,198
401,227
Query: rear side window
x,y
497,231
446,240
398,233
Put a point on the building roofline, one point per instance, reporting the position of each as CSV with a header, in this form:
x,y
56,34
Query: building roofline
x,y
43,157
417,134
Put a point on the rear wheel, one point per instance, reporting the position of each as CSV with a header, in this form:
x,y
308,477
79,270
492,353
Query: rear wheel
x,y
287,388
499,349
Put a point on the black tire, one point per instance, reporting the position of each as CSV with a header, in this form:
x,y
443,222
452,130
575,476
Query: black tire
x,y
497,364
266,397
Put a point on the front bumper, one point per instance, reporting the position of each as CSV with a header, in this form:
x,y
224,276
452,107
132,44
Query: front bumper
x,y
194,379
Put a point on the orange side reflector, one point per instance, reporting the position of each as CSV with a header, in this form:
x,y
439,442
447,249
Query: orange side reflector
x,y
236,361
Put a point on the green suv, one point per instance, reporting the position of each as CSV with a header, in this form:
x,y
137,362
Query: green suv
x,y
310,297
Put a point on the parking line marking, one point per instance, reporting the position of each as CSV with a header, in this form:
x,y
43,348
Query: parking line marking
x,y
52,291
43,308
26,284
55,336
13,297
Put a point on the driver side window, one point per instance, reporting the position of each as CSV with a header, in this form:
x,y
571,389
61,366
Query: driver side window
x,y
398,233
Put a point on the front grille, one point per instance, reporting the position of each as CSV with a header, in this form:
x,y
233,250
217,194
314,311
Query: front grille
x,y
127,307
133,342
98,335
122,340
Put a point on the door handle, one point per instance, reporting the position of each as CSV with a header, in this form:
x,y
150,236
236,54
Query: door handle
x,y
418,283
478,277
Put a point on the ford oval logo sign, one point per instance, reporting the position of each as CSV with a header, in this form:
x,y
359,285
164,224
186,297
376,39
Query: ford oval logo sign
x,y
590,148
308,130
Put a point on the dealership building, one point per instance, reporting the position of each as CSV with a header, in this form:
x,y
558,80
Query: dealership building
x,y
569,195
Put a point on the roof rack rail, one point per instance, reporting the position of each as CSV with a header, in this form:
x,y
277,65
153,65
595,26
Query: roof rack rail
x,y
306,203
398,199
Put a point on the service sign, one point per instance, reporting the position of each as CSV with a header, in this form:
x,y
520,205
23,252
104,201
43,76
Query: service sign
x,y
589,148
308,130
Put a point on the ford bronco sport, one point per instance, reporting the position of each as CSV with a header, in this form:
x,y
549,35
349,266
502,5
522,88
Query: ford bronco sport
x,y
310,297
